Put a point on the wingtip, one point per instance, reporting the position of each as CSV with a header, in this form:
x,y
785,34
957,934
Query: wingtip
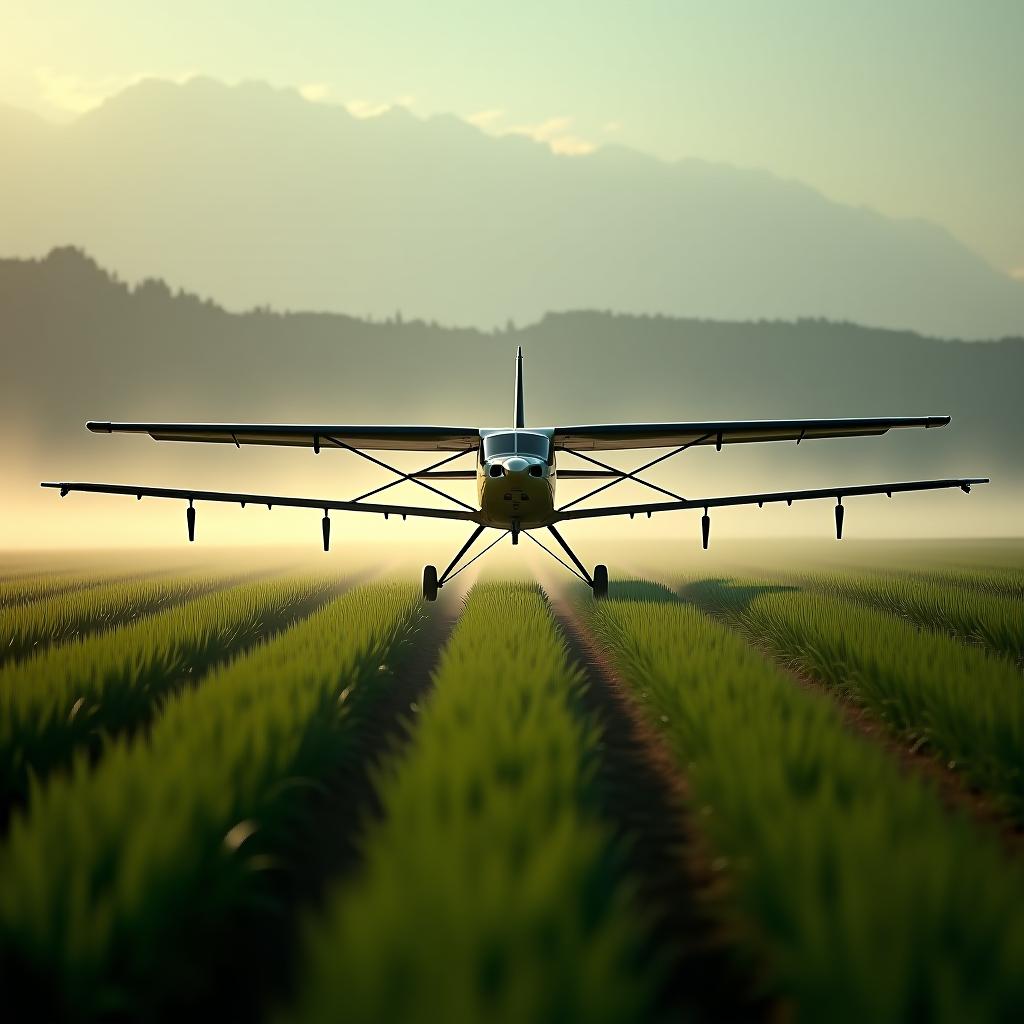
x,y
98,426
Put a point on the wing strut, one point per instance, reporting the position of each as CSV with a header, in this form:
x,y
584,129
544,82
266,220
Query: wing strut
x,y
401,476
634,475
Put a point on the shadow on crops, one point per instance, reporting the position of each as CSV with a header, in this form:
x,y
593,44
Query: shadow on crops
x,y
639,590
728,595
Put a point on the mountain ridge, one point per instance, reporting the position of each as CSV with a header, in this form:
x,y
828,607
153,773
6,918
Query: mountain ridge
x,y
79,261
254,194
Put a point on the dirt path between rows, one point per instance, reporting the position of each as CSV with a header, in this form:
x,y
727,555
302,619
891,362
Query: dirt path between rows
x,y
645,797
954,790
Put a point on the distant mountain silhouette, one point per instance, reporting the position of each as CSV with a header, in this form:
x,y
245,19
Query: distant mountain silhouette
x,y
79,344
253,194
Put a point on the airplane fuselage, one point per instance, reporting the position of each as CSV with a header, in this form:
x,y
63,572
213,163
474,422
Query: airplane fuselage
x,y
516,476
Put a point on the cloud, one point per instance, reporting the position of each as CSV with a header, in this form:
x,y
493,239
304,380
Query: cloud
x,y
315,92
555,134
611,127
366,108
486,118
544,131
321,92
74,94
571,145
1017,273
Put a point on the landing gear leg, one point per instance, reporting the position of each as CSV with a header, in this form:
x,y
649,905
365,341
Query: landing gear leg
x,y
431,582
598,583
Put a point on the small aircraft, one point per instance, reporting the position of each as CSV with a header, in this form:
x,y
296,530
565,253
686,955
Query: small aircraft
x,y
516,471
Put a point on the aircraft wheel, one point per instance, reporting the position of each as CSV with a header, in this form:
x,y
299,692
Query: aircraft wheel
x,y
430,582
600,581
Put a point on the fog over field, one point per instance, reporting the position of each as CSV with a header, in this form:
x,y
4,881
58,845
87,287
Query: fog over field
x,y
83,345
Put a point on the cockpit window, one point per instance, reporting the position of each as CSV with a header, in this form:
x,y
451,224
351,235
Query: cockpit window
x,y
517,443
499,444
533,444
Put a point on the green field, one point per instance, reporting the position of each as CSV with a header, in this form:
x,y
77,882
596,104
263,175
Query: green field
x,y
784,785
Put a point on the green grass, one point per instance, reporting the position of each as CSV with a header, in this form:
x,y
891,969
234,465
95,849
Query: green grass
x,y
183,792
965,704
1003,582
991,620
20,589
491,889
862,896
71,696
27,627
117,881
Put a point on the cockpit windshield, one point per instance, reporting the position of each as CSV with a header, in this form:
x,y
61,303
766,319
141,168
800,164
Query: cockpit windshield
x,y
519,442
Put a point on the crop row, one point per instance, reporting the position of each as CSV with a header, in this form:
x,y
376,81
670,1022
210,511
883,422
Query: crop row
x,y
66,698
17,590
991,620
862,896
966,704
118,880
491,889
26,627
1004,582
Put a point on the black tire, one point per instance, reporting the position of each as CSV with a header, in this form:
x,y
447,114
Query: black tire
x,y
430,583
600,581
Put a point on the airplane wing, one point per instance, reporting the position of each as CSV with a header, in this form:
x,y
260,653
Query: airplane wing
x,y
836,493
608,436
264,499
316,436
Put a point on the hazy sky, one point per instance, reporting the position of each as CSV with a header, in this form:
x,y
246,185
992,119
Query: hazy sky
x,y
912,107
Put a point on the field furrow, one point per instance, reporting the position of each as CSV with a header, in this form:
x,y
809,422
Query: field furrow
x,y
70,697
860,894
643,795
965,704
119,878
491,889
26,628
